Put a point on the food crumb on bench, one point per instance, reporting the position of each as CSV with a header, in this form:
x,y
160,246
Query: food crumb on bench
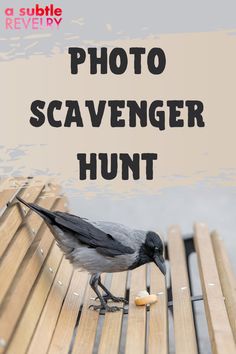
x,y
144,298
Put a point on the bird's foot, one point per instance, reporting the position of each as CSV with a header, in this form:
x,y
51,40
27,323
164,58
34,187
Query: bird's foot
x,y
113,298
105,308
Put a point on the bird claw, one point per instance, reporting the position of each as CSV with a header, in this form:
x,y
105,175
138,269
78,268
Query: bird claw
x,y
105,308
117,299
112,298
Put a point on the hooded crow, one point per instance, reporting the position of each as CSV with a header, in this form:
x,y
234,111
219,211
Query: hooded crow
x,y
101,247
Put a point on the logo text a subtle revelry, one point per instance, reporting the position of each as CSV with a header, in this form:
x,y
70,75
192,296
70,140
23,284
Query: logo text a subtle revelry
x,y
35,18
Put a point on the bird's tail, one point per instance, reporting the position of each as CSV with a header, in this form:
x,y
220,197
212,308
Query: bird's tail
x,y
47,215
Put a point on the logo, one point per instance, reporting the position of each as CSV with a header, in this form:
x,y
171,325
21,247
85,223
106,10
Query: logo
x,y
33,18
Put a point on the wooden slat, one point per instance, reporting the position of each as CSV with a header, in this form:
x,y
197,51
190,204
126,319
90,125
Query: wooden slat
x,y
11,262
136,331
67,320
221,336
158,324
185,337
23,240
46,326
110,338
5,196
12,218
6,192
227,278
8,188
87,328
13,182
32,312
18,296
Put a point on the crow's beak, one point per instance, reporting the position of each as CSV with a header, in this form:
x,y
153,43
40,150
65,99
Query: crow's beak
x,y
160,262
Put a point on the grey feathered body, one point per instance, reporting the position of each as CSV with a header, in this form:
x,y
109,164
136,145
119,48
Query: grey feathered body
x,y
101,247
88,258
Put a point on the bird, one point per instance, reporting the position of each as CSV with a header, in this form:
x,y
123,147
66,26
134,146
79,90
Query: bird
x,y
101,247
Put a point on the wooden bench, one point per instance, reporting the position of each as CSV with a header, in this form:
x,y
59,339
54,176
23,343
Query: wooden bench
x,y
44,302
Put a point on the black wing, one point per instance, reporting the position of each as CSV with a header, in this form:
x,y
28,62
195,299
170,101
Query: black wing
x,y
90,235
82,230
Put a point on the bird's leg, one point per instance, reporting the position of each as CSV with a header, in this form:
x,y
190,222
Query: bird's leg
x,y
109,295
94,280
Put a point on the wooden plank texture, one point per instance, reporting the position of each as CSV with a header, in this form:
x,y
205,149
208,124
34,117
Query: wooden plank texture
x,y
12,218
87,328
110,338
136,331
62,336
32,312
14,305
46,325
9,314
8,189
158,322
227,278
185,337
222,340
12,260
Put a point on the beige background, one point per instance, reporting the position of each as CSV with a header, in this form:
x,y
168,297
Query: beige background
x,y
199,66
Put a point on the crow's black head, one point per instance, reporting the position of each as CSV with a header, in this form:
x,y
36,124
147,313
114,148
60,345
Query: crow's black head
x,y
153,248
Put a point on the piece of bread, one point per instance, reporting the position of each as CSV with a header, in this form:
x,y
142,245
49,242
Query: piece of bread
x,y
144,298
